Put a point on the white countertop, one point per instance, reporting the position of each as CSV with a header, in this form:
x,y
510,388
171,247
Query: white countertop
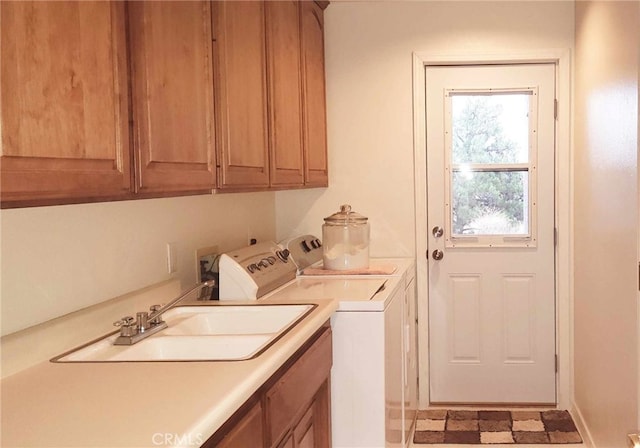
x,y
138,404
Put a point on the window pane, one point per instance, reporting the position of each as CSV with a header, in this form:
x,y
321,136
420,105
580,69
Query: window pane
x,y
490,203
492,128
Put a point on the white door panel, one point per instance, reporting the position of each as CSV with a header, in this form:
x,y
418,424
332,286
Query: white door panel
x,y
492,294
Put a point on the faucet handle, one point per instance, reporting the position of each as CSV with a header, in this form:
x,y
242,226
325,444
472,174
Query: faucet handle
x,y
126,321
152,310
127,326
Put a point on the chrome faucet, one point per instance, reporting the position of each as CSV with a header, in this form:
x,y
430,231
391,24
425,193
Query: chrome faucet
x,y
147,323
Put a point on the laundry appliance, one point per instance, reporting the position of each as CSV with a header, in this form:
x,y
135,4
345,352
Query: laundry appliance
x,y
372,402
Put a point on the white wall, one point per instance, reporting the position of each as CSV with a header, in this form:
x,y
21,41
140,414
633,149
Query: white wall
x,y
56,260
606,218
368,48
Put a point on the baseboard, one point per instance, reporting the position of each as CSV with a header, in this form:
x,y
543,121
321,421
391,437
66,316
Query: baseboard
x,y
582,426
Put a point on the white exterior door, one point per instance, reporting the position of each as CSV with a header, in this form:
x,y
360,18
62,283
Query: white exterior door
x,y
490,177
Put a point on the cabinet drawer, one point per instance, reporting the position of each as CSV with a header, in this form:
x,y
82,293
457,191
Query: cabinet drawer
x,y
296,388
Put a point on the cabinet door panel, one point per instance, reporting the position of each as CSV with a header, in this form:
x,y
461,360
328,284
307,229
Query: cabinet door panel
x,y
285,93
64,102
248,433
322,417
297,387
288,442
312,25
173,95
241,88
303,433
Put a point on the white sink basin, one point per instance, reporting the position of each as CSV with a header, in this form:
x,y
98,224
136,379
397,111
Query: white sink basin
x,y
243,319
173,348
201,333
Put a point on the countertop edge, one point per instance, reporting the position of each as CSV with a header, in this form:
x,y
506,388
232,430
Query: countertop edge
x,y
23,404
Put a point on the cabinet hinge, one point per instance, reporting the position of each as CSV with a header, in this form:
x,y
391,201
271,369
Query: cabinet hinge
x,y
556,363
555,237
555,109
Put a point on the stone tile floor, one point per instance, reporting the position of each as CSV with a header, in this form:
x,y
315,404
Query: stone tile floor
x,y
523,427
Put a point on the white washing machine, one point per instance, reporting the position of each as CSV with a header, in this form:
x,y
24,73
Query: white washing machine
x,y
369,333
350,418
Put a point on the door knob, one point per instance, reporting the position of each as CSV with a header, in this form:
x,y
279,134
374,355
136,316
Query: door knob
x,y
437,231
437,255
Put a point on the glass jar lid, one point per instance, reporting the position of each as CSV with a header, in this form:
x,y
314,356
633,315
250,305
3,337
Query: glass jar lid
x,y
346,216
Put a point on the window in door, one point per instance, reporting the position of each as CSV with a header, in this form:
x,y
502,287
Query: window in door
x,y
490,137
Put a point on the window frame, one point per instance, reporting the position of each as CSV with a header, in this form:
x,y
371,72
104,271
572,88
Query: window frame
x,y
491,240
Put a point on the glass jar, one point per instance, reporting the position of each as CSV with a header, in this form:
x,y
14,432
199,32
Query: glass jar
x,y
345,240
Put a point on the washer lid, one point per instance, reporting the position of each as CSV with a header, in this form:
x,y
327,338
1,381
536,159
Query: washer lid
x,y
353,294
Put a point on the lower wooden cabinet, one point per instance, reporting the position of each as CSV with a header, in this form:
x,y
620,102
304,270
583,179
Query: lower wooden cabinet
x,y
292,409
248,432
313,429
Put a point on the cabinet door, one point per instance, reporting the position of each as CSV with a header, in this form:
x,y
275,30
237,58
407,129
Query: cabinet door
x,y
297,387
172,96
288,442
64,108
241,94
248,433
303,433
285,93
313,430
315,126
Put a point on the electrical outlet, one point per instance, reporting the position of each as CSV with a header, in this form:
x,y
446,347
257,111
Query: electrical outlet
x,y
172,258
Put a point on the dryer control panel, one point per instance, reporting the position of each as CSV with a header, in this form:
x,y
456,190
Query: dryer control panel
x,y
305,250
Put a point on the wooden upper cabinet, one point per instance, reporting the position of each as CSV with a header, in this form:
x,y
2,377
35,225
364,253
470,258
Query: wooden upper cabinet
x,y
66,92
64,110
315,122
270,94
172,92
241,94
285,93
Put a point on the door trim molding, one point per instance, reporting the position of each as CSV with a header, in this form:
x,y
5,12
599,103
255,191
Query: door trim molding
x,y
563,203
